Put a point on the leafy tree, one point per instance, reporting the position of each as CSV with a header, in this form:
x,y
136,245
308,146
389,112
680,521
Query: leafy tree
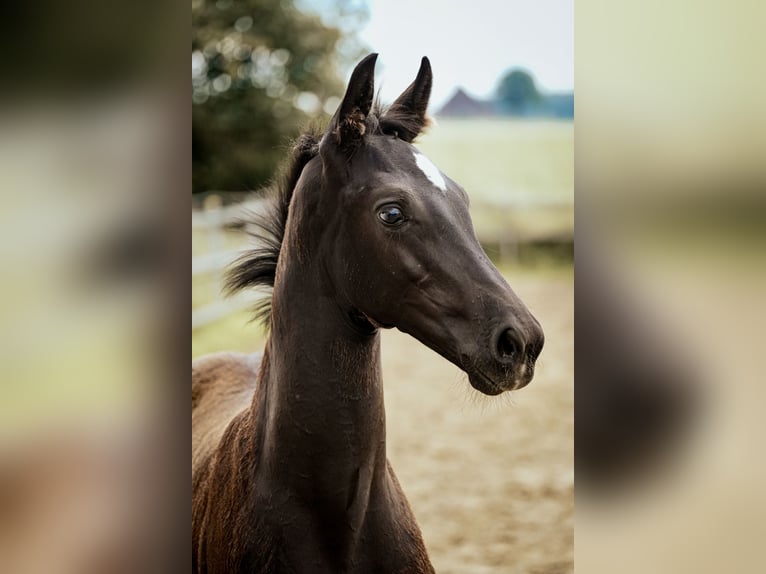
x,y
517,92
260,70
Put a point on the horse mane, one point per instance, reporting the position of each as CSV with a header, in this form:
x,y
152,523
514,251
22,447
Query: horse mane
x,y
257,267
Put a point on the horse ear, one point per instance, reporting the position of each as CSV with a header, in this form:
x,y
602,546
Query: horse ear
x,y
348,124
407,115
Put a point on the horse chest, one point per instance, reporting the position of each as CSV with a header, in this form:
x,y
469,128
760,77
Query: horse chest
x,y
313,538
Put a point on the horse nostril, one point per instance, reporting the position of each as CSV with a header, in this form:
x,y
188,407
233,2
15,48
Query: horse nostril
x,y
508,346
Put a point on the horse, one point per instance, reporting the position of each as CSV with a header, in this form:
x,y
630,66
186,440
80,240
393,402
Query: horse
x,y
289,466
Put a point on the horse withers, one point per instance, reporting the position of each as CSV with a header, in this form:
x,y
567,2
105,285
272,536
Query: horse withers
x,y
289,467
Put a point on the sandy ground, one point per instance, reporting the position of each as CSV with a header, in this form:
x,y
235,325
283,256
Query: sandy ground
x,y
490,479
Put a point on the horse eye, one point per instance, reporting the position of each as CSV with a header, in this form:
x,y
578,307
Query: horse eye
x,y
391,214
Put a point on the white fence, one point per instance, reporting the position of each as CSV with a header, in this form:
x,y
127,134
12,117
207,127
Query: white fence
x,y
213,221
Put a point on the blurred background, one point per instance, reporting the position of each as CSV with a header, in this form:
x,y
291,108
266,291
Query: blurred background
x,y
670,178
491,482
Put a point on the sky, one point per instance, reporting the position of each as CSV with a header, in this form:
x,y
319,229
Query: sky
x,y
470,43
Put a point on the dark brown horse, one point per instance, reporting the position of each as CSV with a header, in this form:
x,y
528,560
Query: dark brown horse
x,y
289,466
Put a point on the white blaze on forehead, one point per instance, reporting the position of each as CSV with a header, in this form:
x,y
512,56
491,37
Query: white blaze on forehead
x,y
430,170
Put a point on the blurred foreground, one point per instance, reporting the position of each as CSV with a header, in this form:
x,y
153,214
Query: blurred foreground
x,y
89,336
671,205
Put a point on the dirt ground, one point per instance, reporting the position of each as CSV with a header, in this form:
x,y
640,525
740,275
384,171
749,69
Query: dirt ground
x,y
490,479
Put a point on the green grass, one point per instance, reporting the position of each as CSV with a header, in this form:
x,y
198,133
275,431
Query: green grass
x,y
505,161
519,174
233,333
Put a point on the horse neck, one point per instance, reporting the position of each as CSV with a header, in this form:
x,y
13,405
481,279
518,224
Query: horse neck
x,y
319,408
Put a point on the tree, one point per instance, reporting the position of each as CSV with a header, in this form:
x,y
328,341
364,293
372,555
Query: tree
x,y
260,70
517,92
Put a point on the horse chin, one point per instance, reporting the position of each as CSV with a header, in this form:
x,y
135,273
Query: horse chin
x,y
488,386
484,385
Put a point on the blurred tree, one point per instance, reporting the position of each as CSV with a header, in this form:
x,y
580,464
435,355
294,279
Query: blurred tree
x,y
517,92
260,70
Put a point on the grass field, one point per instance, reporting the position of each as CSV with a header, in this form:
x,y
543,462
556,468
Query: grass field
x,y
490,480
505,162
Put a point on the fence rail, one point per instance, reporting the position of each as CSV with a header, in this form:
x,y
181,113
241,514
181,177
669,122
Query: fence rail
x,y
213,221
219,309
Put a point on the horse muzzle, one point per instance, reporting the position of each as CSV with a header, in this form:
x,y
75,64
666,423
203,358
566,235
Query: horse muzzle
x,y
513,352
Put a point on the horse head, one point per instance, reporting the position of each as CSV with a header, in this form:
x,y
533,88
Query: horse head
x,y
398,244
